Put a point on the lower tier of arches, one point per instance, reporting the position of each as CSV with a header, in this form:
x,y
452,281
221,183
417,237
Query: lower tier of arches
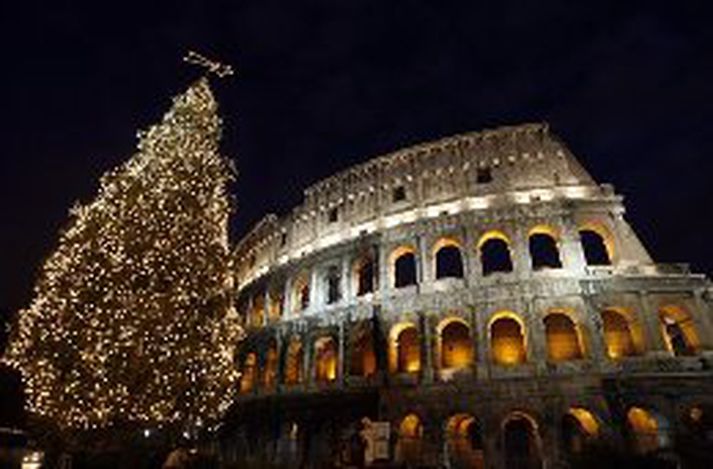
x,y
659,421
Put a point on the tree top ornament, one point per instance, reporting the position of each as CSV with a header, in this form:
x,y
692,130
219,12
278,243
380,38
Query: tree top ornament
x,y
212,66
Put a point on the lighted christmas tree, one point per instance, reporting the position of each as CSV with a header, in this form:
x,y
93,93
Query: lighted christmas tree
x,y
131,318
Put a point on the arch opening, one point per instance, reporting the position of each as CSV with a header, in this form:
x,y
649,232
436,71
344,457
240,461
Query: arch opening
x,y
507,341
579,428
270,372
648,430
544,252
410,435
465,441
405,351
617,335
248,378
521,443
365,271
495,253
679,331
563,341
449,262
456,345
294,362
363,357
405,270
596,251
325,360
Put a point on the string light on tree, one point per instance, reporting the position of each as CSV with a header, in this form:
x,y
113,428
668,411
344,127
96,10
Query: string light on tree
x,y
131,318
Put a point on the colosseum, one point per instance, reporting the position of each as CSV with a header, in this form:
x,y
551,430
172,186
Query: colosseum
x,y
477,301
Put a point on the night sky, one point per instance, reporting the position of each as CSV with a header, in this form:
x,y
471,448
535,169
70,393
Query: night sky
x,y
321,87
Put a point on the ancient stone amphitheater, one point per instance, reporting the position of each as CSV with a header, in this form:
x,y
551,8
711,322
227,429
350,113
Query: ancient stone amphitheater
x,y
478,301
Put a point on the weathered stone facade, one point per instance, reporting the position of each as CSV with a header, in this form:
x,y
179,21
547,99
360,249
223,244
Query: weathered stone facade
x,y
481,294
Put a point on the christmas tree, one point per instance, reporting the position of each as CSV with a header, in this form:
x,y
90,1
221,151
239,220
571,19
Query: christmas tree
x,y
131,320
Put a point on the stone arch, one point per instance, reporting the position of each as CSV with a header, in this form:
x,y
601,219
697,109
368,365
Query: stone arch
x,y
403,267
363,352
597,243
325,359
248,377
579,428
271,360
494,248
522,444
464,437
564,339
448,255
294,362
698,420
404,349
455,343
622,336
507,339
678,330
544,248
257,312
301,292
648,430
410,437
364,275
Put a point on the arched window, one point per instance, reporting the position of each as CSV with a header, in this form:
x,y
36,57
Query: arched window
x,y
363,357
325,360
249,373
562,338
294,362
365,276
507,341
544,252
449,262
679,331
495,253
648,431
257,315
456,346
617,335
334,293
301,293
465,441
579,428
595,248
521,443
405,269
270,373
405,349
408,448
276,304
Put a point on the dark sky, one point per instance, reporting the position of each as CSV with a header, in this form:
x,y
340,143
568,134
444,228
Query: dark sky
x,y
629,86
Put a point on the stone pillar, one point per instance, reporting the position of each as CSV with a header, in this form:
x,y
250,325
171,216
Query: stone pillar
x,y
423,261
649,316
536,337
307,351
469,253
520,251
426,349
315,290
703,319
346,281
266,307
592,319
287,305
571,253
341,353
383,281
482,343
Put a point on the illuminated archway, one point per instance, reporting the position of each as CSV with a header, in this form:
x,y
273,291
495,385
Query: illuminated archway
x,y
563,341
456,347
248,378
410,435
579,428
403,267
294,362
364,275
544,251
363,356
678,330
649,430
465,441
276,305
270,372
597,244
507,339
404,349
618,335
449,258
301,293
521,441
494,249
257,314
325,351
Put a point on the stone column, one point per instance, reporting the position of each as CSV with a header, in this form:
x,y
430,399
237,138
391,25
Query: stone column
x,y
520,251
571,253
648,315
346,281
703,319
482,343
536,337
341,355
423,261
426,349
287,305
383,283
266,306
315,290
592,319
